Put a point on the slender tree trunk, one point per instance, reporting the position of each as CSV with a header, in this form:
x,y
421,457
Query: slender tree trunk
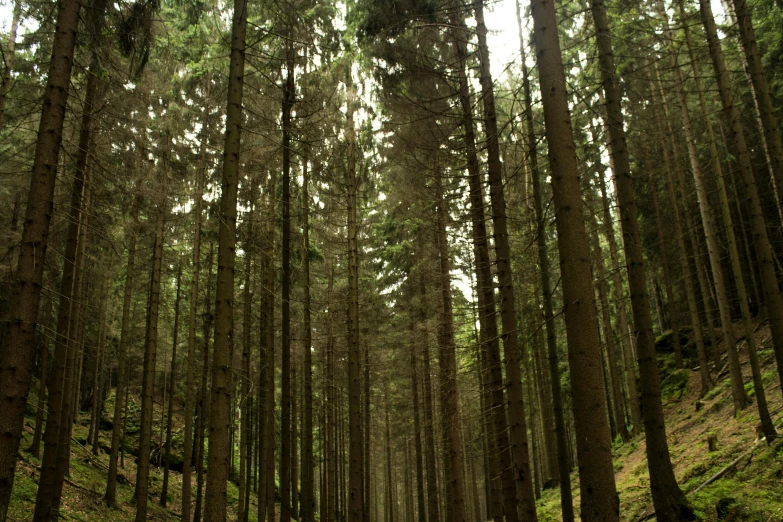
x,y
738,391
148,371
421,511
486,298
366,426
508,312
220,394
294,449
616,390
57,436
190,371
356,474
448,369
761,89
110,496
244,394
98,395
164,492
19,342
308,463
598,491
669,501
43,385
285,303
433,503
772,296
563,466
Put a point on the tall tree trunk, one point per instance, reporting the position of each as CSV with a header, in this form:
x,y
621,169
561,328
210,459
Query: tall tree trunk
x,y
148,371
508,312
433,503
366,426
220,394
356,474
19,342
563,466
486,293
203,411
244,394
308,463
449,396
599,499
422,507
164,491
110,497
57,436
190,371
738,391
772,296
285,301
687,274
669,501
43,385
762,93
97,397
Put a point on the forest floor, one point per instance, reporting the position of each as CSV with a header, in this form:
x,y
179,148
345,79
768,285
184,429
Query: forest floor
x,y
750,490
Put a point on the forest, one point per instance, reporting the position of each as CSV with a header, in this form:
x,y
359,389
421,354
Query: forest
x,y
391,260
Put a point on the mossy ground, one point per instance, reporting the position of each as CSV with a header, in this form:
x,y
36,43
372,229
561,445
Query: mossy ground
x,y
752,491
84,488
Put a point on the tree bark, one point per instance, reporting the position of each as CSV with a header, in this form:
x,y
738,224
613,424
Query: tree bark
x,y
563,466
669,501
220,392
190,370
599,499
761,89
164,491
19,343
772,296
508,313
356,474
308,463
285,301
148,371
110,497
449,396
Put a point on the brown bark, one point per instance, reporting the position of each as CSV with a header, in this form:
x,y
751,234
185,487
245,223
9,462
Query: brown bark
x,y
433,503
772,296
356,474
508,313
164,491
190,365
110,497
308,464
669,501
563,466
220,392
19,344
449,396
148,370
761,90
486,300
598,491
